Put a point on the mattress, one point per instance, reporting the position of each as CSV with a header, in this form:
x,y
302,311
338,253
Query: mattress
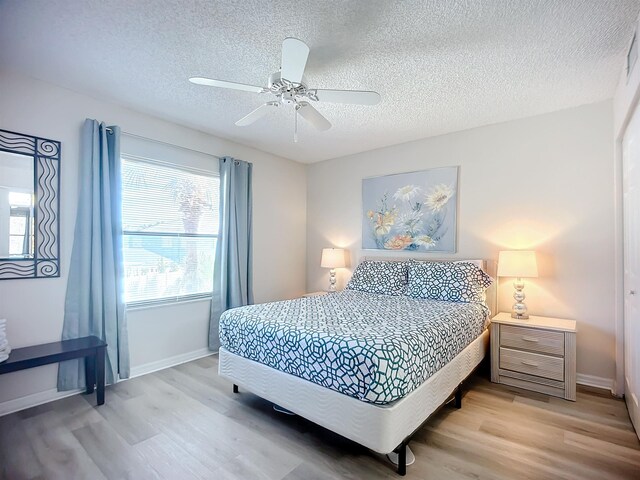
x,y
375,348
379,427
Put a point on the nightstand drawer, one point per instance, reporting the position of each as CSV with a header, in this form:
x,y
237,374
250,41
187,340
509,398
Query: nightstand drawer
x,y
536,340
532,363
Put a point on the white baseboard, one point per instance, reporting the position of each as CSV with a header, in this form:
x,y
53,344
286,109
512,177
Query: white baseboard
x,y
597,382
28,401
169,362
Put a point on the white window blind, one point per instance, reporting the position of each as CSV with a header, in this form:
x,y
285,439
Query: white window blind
x,y
170,228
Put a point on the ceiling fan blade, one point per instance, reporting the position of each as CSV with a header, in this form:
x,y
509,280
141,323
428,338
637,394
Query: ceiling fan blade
x,y
313,116
355,97
210,82
257,114
294,58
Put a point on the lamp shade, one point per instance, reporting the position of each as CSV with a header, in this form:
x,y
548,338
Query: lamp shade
x,y
332,258
517,263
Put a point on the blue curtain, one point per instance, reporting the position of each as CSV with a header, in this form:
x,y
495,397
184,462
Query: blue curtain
x,y
232,271
94,303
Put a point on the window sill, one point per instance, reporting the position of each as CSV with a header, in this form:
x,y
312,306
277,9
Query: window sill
x,y
166,302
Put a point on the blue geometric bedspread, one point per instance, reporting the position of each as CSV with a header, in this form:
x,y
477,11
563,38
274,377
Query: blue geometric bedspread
x,y
376,348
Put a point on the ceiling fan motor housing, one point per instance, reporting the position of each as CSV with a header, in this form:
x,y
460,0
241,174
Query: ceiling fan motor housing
x,y
288,92
288,98
276,80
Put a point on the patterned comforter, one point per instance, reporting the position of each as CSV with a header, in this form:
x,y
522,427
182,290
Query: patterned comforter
x,y
376,348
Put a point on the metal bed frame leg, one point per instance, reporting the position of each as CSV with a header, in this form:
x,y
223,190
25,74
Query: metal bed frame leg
x,y
235,388
402,459
458,397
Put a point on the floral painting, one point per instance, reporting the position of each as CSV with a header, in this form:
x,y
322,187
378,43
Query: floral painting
x,y
411,211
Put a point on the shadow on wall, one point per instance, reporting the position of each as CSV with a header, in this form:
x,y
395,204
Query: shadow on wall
x,y
518,234
331,237
526,234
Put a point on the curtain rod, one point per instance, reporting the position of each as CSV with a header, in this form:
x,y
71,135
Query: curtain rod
x,y
133,135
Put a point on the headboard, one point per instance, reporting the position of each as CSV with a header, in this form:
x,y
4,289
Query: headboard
x,y
489,266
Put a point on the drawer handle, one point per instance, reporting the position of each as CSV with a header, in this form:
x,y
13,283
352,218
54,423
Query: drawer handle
x,y
530,339
531,364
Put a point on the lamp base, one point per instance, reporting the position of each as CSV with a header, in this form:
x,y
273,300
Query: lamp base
x,y
332,280
519,309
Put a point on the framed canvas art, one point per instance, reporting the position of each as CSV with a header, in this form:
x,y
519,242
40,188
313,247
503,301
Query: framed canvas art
x,y
413,211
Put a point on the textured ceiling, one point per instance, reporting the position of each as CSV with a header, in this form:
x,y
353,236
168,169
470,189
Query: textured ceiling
x,y
440,66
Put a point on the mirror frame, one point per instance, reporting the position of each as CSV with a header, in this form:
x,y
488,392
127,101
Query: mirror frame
x,y
45,154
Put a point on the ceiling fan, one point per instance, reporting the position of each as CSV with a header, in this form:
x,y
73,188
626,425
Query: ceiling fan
x,y
289,88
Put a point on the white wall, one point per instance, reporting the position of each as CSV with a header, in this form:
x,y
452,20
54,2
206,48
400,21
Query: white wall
x,y
543,183
34,308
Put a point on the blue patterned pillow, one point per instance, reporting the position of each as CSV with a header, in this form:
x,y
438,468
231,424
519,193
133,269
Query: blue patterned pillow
x,y
450,281
385,278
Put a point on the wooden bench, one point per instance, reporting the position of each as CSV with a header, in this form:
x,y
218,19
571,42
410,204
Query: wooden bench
x,y
92,349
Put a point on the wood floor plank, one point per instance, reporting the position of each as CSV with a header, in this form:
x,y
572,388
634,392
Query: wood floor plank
x,y
477,453
197,389
57,449
195,421
132,428
598,447
77,411
209,362
130,389
184,423
170,460
546,447
37,410
309,472
180,422
439,456
113,456
546,415
241,439
17,457
601,416
245,467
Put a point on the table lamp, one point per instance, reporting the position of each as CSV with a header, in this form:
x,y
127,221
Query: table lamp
x,y
332,258
519,264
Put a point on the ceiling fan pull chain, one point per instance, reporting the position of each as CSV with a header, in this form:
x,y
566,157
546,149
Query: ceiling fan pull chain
x,y
295,125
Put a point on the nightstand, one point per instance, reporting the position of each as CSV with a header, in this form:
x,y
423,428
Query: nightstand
x,y
537,354
314,294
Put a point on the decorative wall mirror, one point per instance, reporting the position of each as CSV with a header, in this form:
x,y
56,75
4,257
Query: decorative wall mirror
x,y
29,206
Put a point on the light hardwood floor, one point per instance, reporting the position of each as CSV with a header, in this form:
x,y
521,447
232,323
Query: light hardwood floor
x,y
184,423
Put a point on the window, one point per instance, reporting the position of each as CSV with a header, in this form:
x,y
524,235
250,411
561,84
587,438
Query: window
x,y
170,228
20,224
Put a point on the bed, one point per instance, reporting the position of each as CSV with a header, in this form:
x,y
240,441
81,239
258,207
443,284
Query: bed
x,y
369,365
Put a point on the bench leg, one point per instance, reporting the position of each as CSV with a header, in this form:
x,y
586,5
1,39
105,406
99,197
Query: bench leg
x,y
90,372
100,359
